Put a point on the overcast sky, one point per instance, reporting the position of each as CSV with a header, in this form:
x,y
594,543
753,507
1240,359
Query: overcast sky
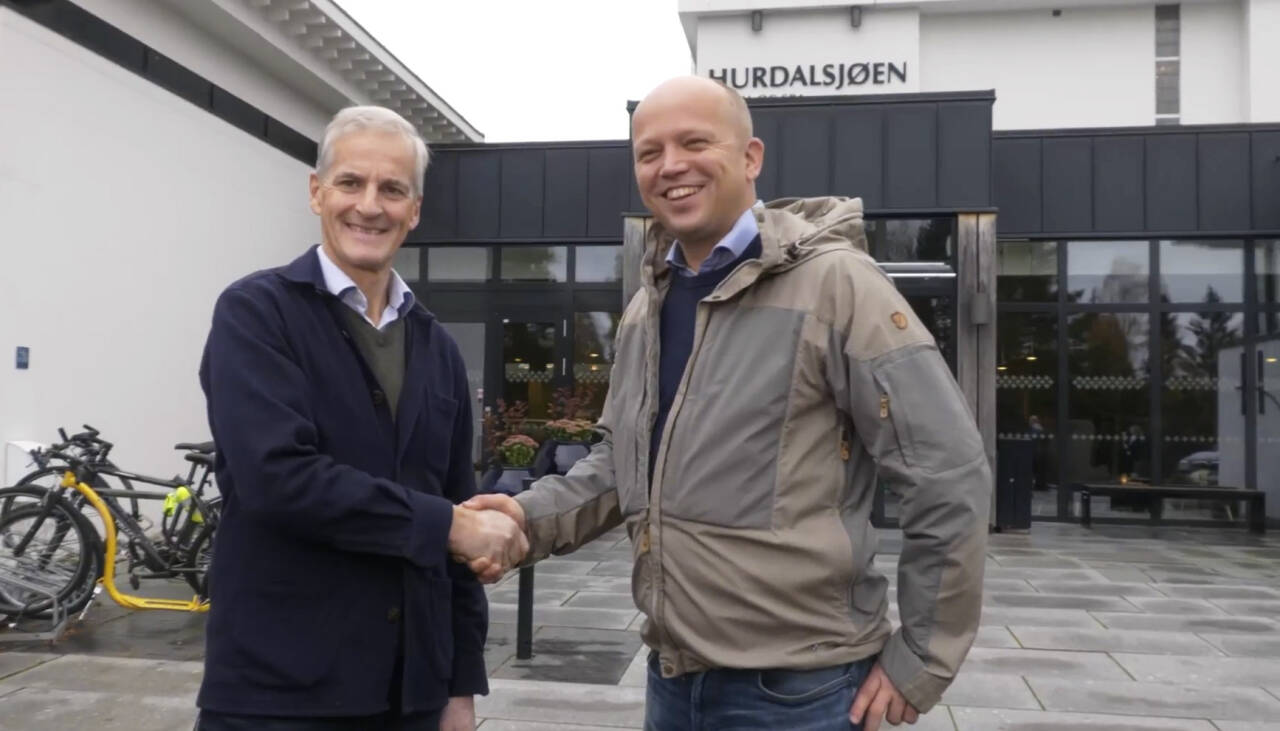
x,y
526,70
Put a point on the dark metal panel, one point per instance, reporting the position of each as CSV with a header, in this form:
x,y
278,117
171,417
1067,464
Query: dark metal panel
x,y
1117,184
88,30
1017,166
806,169
858,157
1266,180
1224,181
479,207
635,204
911,156
439,199
238,112
178,79
608,170
564,210
1171,182
521,193
1067,175
291,141
964,155
765,122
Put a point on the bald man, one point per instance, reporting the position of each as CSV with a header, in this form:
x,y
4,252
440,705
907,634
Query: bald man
x,y
766,375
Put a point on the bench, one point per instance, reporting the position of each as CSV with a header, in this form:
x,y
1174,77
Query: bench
x,y
1255,500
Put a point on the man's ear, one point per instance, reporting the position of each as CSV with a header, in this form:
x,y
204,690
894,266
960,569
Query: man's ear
x,y
417,213
755,158
314,187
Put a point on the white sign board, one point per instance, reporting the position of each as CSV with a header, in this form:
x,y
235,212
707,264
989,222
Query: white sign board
x,y
813,52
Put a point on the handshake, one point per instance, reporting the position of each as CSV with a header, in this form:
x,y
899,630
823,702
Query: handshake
x,y
488,535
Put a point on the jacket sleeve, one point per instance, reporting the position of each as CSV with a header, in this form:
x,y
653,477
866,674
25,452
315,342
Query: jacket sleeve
x,y
261,418
470,607
909,414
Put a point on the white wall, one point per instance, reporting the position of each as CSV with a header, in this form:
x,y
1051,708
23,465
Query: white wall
x,y
125,212
1263,48
163,28
1214,81
816,37
1087,68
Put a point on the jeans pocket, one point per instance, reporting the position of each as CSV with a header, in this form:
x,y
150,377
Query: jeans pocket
x,y
797,687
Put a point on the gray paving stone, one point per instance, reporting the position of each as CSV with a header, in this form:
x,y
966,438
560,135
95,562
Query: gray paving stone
x,y
1040,562
1253,607
1034,574
510,594
1156,699
994,636
1247,725
1096,588
1104,640
1013,586
1059,601
601,600
638,670
613,568
1043,663
1038,617
1165,605
1201,670
51,709
567,616
575,655
564,567
120,675
1001,719
529,701
12,663
1245,645
1217,625
1214,591
1130,575
987,690
560,582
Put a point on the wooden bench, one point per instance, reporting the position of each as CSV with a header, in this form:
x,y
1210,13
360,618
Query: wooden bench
x,y
1255,500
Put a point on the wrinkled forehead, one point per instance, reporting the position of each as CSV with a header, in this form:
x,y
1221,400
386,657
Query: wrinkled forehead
x,y
674,115
378,153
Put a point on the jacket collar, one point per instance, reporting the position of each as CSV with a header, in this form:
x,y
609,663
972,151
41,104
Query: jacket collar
x,y
306,270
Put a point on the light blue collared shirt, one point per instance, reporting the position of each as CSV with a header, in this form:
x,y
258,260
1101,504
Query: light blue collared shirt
x,y
726,252
399,296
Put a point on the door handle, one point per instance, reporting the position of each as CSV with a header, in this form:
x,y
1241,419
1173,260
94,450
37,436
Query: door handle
x,y
1262,384
1244,402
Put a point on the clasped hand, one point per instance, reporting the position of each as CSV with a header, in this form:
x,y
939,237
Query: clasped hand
x,y
488,536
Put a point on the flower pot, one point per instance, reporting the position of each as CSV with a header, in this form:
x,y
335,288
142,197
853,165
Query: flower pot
x,y
556,457
504,479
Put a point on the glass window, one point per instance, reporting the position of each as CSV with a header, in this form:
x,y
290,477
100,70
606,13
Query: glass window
x,y
1266,263
1269,323
1109,387
534,263
594,334
1111,272
1200,398
470,337
1167,87
408,263
1202,271
1168,31
529,364
911,239
1027,271
457,264
597,264
1027,398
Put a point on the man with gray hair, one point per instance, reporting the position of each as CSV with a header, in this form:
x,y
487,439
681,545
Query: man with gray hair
x,y
341,412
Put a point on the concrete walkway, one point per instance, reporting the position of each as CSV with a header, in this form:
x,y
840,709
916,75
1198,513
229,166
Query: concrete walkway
x,y
1119,628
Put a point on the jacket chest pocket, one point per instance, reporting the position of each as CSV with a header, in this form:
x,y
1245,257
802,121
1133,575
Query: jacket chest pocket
x,y
431,443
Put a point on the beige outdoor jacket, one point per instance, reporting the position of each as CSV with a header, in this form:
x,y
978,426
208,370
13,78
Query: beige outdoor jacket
x,y
809,379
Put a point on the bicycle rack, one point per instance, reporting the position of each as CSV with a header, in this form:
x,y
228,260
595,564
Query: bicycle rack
x,y
57,614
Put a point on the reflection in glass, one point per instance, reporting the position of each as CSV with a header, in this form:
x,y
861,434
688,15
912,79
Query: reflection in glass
x,y
1266,258
1027,271
1108,393
1201,271
593,340
457,264
529,364
1269,323
407,263
911,239
597,264
470,339
938,315
534,263
1200,399
1027,398
1110,272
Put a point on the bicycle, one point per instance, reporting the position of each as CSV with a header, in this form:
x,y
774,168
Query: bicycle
x,y
50,542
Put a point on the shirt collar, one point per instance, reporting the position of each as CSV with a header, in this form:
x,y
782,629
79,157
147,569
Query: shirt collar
x,y
399,296
726,251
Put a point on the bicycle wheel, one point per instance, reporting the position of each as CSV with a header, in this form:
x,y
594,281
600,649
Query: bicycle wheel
x,y
76,600
54,560
200,559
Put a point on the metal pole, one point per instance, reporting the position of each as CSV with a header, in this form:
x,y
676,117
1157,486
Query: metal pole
x,y
524,615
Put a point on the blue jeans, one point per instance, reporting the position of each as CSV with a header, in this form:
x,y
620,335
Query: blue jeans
x,y
754,700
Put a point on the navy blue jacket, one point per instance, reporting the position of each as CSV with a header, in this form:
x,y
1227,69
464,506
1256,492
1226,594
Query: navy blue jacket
x,y
331,557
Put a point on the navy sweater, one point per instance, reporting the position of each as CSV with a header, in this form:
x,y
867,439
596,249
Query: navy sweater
x,y
675,334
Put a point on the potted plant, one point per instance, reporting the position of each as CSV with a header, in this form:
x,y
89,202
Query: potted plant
x,y
570,433
511,445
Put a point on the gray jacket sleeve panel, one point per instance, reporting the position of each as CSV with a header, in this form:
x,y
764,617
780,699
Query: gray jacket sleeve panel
x,y
910,417
562,513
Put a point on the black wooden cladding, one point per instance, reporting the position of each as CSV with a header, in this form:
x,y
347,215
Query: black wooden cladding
x,y
906,153
1176,181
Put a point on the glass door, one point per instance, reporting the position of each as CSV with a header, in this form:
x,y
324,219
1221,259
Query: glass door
x,y
532,359
1267,441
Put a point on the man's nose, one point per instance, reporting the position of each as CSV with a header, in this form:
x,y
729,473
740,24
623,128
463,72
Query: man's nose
x,y
674,163
369,204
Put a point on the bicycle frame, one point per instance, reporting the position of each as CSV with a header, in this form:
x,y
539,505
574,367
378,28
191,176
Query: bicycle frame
x,y
129,601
